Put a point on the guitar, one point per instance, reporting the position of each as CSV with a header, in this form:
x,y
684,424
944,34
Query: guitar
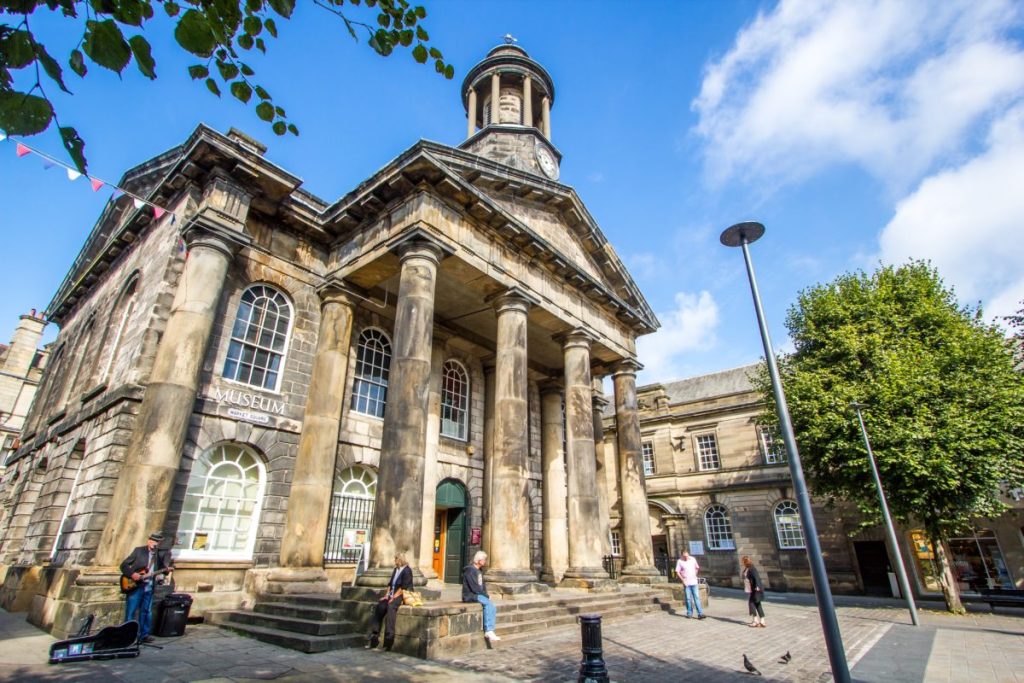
x,y
127,584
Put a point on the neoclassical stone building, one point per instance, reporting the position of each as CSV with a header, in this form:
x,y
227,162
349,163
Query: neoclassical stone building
x,y
21,367
720,485
296,389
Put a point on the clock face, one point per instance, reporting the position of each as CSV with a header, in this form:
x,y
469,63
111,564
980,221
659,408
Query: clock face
x,y
547,162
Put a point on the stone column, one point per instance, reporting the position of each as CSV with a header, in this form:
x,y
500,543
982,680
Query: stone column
x,y
545,116
556,531
430,465
509,562
489,379
398,508
527,101
471,113
601,469
153,458
585,567
637,551
495,98
309,501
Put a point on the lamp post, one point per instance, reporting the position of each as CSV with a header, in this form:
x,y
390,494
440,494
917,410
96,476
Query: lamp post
x,y
901,572
740,235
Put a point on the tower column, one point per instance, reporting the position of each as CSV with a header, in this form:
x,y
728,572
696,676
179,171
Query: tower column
x,y
636,525
509,565
585,568
545,114
495,98
309,500
527,100
556,538
398,508
471,113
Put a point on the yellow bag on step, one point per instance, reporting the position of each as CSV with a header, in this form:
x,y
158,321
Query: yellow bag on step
x,y
412,598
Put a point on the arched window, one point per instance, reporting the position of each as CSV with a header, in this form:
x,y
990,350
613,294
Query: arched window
x,y
259,338
348,529
373,363
84,346
454,400
718,528
119,320
788,526
222,504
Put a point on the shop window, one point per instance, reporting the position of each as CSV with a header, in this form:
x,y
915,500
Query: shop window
x,y
718,528
454,401
707,452
259,338
978,562
373,364
788,527
222,504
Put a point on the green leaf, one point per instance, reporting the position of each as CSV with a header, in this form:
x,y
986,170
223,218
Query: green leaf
x,y
280,111
246,69
265,111
405,38
270,26
227,70
77,62
194,34
245,41
384,20
261,46
419,53
421,34
241,91
420,12
211,85
292,129
279,127
172,8
449,72
252,25
105,45
51,67
261,93
435,53
197,71
16,49
74,145
283,7
128,12
23,114
143,56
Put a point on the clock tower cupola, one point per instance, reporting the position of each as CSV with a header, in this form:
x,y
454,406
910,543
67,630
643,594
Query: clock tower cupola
x,y
508,99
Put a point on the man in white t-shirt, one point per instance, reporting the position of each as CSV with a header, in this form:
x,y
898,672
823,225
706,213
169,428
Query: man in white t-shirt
x,y
687,569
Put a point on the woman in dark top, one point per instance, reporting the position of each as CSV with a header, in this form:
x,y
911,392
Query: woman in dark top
x,y
755,592
386,609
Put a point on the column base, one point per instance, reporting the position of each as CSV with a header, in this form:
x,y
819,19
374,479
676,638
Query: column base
x,y
645,574
551,576
604,585
378,577
369,594
517,590
297,581
585,573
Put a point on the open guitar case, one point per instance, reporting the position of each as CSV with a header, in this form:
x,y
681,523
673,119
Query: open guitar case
x,y
110,642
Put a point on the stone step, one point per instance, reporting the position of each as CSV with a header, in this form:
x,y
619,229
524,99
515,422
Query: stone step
x,y
643,603
296,641
526,631
312,627
300,611
558,620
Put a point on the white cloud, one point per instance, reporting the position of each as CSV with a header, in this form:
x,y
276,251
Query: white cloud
x,y
968,221
690,326
893,87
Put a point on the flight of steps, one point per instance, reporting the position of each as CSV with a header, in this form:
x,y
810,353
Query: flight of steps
x,y
317,623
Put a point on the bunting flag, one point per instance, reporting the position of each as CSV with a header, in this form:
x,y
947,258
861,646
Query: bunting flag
x,y
21,149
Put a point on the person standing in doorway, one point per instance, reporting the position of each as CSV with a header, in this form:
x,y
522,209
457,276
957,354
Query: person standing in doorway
x,y
755,592
474,590
687,570
386,609
146,564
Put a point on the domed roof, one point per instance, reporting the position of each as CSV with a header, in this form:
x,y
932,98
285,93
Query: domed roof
x,y
508,57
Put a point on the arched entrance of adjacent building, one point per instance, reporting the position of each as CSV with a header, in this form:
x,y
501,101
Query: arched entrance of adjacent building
x,y
450,526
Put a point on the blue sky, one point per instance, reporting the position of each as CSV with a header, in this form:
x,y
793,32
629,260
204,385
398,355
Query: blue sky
x,y
858,132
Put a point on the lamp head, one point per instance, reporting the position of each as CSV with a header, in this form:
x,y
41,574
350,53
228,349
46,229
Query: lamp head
x,y
741,233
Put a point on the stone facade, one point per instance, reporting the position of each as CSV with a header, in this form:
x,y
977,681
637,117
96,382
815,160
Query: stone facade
x,y
297,389
22,363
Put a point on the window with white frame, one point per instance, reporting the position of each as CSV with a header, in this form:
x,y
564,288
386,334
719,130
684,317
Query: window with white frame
x,y
616,544
222,504
454,400
373,365
772,447
707,452
259,338
647,454
788,526
718,528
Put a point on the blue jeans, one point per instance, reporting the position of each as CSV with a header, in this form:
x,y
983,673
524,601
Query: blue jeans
x,y
693,598
137,605
490,612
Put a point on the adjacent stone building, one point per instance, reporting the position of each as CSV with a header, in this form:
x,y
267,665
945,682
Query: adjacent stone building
x,y
296,389
719,485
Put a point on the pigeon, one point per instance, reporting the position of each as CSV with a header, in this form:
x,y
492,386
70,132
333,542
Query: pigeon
x,y
784,659
750,667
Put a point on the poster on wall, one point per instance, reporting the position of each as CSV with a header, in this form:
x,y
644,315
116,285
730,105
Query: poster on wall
x,y
353,538
474,536
696,547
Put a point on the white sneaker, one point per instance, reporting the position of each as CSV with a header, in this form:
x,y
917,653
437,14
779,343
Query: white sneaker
x,y
491,635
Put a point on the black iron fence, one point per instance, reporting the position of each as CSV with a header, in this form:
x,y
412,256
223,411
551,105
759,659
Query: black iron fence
x,y
348,529
613,565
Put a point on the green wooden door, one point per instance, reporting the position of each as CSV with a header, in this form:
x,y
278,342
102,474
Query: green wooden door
x,y
455,546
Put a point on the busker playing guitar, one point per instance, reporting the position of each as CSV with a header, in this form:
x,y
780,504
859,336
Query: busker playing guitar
x,y
138,572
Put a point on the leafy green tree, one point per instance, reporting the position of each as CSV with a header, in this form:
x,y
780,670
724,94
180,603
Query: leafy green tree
x,y
1017,340
945,407
218,32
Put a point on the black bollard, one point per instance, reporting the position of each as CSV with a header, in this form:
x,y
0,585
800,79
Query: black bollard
x,y
592,668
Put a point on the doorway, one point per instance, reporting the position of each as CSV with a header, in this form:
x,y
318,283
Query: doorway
x,y
450,531
873,560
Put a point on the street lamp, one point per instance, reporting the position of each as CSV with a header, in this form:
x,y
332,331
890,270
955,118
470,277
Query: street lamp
x,y
901,572
740,235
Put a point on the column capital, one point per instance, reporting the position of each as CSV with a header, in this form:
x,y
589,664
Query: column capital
x,y
337,291
551,386
575,338
600,402
223,195
627,366
419,242
512,298
202,231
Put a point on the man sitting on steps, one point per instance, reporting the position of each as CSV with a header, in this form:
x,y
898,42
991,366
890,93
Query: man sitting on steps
x,y
474,590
